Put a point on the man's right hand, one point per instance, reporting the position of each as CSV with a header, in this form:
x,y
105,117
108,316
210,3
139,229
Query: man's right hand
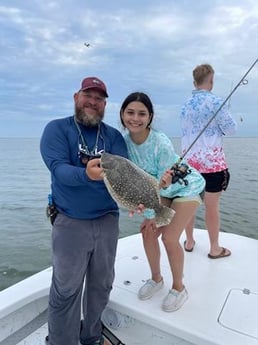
x,y
93,169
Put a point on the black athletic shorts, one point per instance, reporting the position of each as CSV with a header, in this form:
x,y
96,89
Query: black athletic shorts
x,y
216,182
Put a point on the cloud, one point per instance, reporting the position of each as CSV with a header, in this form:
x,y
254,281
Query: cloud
x,y
148,46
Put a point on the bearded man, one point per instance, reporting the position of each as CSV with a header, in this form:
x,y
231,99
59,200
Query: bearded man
x,y
85,225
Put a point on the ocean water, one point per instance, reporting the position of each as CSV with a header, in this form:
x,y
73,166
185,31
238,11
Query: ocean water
x,y
25,184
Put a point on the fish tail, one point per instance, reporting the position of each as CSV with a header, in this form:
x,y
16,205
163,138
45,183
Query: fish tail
x,y
164,215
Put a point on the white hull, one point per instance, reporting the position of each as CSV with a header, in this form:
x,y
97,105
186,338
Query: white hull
x,y
222,308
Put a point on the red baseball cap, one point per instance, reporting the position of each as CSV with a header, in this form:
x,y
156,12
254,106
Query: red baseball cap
x,y
94,83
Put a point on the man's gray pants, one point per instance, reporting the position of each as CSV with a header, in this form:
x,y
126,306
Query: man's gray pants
x,y
83,252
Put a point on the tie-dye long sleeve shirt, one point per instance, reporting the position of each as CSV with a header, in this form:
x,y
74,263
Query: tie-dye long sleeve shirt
x,y
207,154
155,156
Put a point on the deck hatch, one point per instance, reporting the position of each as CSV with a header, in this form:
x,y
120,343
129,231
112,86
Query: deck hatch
x,y
240,312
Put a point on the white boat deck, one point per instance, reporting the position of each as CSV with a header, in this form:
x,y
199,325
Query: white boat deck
x,y
222,308
223,293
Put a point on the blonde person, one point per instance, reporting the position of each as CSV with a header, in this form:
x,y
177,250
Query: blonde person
x,y
207,154
153,151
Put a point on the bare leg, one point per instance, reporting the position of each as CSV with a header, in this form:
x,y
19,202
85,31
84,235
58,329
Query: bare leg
x,y
171,235
152,250
189,234
212,219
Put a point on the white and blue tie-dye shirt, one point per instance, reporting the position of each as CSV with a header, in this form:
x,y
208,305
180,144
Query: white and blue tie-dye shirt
x,y
207,154
155,155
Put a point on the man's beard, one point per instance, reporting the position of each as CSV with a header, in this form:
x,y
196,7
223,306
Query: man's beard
x,y
86,119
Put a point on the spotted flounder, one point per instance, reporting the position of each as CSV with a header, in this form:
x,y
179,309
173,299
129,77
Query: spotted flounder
x,y
130,186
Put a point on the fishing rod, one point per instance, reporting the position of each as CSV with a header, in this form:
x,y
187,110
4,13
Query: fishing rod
x,y
180,171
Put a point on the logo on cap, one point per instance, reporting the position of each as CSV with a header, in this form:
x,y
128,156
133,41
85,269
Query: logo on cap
x,y
96,81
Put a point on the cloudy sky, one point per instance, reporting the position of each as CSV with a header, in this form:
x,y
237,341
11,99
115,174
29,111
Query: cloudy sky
x,y
149,46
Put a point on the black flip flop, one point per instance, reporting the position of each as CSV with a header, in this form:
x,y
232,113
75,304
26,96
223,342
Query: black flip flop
x,y
188,250
222,254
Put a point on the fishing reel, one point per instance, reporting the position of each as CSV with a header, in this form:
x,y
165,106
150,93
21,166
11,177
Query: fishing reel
x,y
179,172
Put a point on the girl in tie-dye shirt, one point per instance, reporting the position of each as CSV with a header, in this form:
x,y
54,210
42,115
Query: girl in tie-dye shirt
x,y
153,152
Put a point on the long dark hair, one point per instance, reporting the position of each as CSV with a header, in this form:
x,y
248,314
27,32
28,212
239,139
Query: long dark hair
x,y
137,97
